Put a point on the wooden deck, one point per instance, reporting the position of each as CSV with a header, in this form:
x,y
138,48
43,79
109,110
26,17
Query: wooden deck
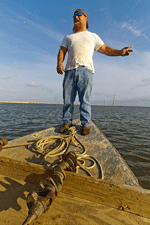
x,y
67,209
116,199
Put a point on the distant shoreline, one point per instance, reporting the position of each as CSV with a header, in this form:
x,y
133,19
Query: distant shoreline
x,y
46,103
32,103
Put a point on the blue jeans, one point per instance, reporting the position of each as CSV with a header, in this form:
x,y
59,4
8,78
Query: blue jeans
x,y
79,81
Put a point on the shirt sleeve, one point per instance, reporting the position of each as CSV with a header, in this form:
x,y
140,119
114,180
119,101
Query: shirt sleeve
x,y
98,42
64,42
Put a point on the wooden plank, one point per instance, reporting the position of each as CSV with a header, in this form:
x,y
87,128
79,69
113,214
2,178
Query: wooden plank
x,y
127,198
67,209
25,171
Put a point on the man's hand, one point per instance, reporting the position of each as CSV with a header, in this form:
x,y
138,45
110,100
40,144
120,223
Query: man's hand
x,y
125,51
60,69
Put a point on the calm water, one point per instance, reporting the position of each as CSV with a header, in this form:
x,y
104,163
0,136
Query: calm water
x,y
128,128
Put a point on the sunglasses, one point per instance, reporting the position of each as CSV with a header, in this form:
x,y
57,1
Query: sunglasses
x,y
78,14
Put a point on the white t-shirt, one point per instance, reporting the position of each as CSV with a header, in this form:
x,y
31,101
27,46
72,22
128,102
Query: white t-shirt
x,y
81,47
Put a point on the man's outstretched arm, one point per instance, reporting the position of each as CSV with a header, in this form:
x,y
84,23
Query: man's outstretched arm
x,y
60,59
104,49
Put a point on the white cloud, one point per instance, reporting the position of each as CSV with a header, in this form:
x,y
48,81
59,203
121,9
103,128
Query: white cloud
x,y
33,84
144,82
8,77
13,90
133,27
48,89
102,9
63,21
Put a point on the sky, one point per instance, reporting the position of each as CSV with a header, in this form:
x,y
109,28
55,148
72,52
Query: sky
x,y
31,32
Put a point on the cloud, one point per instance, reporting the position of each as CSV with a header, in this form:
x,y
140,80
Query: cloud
x,y
13,90
133,27
145,98
20,66
32,84
144,83
102,9
146,80
101,95
8,77
63,21
48,89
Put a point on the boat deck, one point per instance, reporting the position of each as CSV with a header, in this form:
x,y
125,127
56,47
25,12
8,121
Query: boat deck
x,y
116,198
67,209
112,166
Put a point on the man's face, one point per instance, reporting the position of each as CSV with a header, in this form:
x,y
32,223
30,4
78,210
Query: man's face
x,y
80,22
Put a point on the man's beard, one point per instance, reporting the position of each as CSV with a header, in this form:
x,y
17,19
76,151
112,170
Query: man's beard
x,y
77,27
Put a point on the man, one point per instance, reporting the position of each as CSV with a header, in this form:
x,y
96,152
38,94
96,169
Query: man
x,y
79,69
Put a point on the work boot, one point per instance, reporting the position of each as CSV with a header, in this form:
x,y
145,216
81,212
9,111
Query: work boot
x,y
85,130
65,127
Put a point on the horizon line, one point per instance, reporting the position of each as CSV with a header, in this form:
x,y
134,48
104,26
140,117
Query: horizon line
x,y
47,103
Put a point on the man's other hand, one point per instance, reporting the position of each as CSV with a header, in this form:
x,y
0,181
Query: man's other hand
x,y
60,69
125,51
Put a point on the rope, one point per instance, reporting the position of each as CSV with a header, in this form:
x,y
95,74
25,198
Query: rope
x,y
47,147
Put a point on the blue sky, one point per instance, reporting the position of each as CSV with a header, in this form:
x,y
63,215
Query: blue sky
x,y
31,32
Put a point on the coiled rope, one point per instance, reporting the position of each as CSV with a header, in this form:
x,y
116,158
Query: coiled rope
x,y
46,147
